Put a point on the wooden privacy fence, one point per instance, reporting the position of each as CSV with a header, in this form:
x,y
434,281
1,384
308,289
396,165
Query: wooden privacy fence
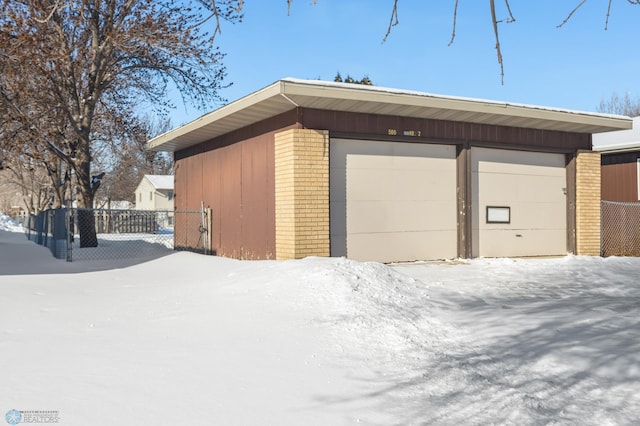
x,y
132,221
620,229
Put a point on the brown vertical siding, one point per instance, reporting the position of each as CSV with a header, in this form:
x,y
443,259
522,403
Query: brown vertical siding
x,y
194,189
258,202
211,190
237,181
620,177
230,203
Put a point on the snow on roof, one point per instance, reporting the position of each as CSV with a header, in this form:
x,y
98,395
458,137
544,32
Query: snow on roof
x,y
161,181
620,141
416,93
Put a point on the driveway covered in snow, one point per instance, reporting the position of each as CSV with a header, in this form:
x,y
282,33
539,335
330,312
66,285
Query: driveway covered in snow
x,y
531,342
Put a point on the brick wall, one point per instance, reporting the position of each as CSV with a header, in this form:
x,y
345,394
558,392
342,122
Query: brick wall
x,y
302,193
588,203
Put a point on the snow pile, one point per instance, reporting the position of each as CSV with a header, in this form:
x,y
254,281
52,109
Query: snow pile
x,y
382,310
8,224
189,339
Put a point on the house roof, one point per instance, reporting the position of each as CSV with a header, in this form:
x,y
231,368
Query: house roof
x,y
620,141
161,181
287,94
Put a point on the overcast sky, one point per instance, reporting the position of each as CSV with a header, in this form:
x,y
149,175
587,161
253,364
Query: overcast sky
x,y
572,67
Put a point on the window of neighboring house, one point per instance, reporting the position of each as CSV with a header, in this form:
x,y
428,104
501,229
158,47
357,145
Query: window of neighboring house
x,y
170,195
151,196
140,197
638,177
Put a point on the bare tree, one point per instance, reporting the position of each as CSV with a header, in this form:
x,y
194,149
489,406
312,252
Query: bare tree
x,y
31,183
31,164
131,159
73,58
620,105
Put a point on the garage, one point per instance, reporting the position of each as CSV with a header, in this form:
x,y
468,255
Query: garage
x,y
385,174
392,201
519,203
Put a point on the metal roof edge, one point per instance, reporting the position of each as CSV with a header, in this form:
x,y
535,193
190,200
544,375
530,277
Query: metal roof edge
x,y
623,147
292,86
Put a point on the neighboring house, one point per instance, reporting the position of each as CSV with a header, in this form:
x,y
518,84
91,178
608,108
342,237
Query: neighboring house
x,y
620,163
155,192
311,168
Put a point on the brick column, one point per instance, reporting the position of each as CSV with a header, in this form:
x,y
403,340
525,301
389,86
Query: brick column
x,y
588,203
302,193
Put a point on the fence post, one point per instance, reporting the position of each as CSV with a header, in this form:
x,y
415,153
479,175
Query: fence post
x,y
44,231
204,228
68,222
29,227
60,231
209,229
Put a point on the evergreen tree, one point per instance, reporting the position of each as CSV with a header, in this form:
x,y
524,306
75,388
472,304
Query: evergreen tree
x,y
364,80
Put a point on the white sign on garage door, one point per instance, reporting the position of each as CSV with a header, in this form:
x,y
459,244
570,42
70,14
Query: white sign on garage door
x,y
392,201
519,203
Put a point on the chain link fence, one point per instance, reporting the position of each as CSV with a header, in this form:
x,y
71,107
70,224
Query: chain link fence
x,y
620,229
101,234
49,229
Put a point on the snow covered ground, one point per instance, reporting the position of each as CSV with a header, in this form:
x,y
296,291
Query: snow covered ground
x,y
195,340
8,224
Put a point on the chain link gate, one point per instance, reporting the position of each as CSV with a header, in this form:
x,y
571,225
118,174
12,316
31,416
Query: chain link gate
x,y
193,230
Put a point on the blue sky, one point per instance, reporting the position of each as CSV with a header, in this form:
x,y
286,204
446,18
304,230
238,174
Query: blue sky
x,y
572,67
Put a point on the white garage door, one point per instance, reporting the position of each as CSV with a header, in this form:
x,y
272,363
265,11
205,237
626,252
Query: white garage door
x,y
519,203
392,201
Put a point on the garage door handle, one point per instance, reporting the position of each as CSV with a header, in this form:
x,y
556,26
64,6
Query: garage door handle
x,y
519,235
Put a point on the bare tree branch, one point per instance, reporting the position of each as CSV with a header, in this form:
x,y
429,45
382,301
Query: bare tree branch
x,y
495,31
511,17
571,13
54,9
393,21
606,23
455,21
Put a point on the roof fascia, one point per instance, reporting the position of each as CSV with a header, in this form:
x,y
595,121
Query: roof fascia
x,y
218,114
